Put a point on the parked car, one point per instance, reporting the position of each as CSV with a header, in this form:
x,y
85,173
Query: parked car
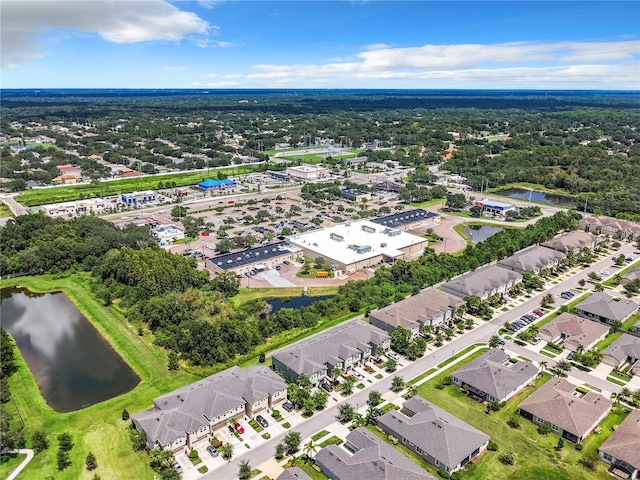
x,y
239,428
536,340
501,342
262,421
288,406
358,376
286,262
326,386
177,466
213,451
570,356
393,355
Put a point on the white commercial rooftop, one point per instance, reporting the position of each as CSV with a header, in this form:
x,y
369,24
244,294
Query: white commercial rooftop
x,y
340,242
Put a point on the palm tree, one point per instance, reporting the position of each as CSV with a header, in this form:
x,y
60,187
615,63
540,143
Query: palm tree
x,y
543,365
226,451
616,398
397,383
310,448
347,387
244,472
625,392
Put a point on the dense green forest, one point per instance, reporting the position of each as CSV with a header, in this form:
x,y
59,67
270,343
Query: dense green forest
x,y
583,143
190,314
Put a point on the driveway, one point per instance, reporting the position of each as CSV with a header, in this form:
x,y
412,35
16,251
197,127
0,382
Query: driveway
x,y
24,451
408,370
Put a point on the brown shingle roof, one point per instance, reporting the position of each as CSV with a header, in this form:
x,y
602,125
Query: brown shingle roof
x,y
555,403
624,442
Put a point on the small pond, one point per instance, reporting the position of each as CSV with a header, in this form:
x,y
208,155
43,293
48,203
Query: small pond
x,y
294,302
479,233
72,363
539,197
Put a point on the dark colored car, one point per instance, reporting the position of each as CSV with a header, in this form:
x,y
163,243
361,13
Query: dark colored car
x,y
326,386
262,421
288,406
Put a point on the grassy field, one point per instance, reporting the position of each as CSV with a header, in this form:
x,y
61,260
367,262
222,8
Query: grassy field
x,y
9,462
46,146
42,196
5,211
98,428
459,229
537,458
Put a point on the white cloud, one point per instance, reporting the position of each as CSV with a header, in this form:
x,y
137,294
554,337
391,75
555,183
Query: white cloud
x,y
177,68
507,64
209,43
118,22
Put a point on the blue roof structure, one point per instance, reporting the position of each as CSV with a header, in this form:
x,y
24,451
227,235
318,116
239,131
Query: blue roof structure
x,y
207,184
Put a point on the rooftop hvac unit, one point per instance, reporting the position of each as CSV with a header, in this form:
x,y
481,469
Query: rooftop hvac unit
x,y
368,229
394,232
336,237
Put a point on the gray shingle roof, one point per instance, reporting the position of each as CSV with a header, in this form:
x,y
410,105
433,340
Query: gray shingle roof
x,y
438,433
577,330
492,373
555,403
625,346
568,242
604,305
532,258
188,408
334,345
482,281
293,473
374,459
624,442
417,309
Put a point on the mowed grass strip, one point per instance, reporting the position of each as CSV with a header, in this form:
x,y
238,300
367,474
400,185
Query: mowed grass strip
x,y
43,196
98,428
537,458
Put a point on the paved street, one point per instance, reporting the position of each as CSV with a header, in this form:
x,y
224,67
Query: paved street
x,y
482,333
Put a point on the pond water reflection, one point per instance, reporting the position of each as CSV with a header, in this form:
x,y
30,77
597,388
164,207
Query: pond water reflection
x,y
479,233
72,363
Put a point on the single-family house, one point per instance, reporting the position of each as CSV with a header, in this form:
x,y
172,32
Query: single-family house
x,y
483,282
622,449
364,456
493,377
532,259
188,415
293,473
445,441
605,308
624,354
631,275
344,346
570,414
571,331
429,307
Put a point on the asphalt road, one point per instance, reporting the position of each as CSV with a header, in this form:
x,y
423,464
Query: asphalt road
x,y
480,334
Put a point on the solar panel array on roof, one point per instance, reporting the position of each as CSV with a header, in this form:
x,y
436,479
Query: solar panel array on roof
x,y
405,218
251,255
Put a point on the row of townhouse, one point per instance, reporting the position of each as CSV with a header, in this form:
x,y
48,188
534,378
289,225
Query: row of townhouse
x,y
191,414
343,347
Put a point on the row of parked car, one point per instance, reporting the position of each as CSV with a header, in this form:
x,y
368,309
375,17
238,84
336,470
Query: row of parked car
x,y
567,295
526,320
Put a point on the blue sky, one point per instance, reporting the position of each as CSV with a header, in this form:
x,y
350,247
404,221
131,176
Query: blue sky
x,y
326,44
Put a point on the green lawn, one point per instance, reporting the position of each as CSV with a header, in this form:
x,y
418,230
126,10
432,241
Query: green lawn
x,y
537,458
5,211
319,435
98,428
9,462
34,197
